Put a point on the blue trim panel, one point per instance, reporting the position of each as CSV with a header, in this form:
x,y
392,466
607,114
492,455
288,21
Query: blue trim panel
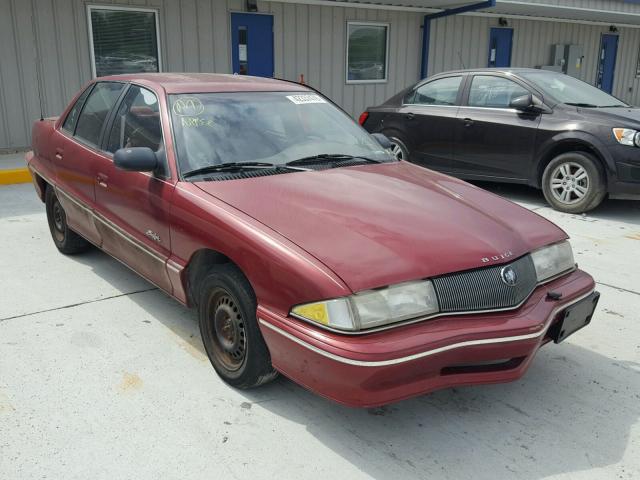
x,y
426,29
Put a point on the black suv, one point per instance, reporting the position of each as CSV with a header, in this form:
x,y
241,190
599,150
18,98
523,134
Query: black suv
x,y
529,126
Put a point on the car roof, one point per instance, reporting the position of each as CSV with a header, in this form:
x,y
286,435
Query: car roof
x,y
206,82
515,70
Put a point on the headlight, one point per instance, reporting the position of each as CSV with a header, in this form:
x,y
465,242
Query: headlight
x,y
373,308
627,136
553,260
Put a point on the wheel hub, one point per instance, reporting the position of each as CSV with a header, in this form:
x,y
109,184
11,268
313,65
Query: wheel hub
x,y
569,183
228,331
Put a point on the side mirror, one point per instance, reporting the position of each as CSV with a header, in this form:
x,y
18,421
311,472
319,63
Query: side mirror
x,y
529,103
136,159
383,140
522,103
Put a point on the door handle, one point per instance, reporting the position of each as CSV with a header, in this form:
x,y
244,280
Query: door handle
x,y
410,116
468,122
101,178
58,154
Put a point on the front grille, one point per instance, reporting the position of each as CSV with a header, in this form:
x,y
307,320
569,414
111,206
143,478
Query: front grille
x,y
484,289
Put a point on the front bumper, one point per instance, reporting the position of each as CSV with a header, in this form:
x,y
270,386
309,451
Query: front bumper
x,y
375,369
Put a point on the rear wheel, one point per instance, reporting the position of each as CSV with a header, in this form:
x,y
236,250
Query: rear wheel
x,y
574,182
65,239
398,149
229,329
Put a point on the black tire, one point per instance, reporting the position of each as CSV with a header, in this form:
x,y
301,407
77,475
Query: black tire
x,y
574,182
66,240
399,149
229,329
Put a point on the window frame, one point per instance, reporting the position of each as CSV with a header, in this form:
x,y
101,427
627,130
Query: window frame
x,y
92,52
459,95
88,91
386,53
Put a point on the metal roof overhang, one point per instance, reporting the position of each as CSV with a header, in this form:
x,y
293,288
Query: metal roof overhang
x,y
513,8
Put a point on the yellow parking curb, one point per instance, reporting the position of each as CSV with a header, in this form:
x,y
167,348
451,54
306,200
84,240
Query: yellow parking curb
x,y
17,175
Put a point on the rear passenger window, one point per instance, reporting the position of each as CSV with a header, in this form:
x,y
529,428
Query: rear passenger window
x,y
443,91
137,122
493,92
95,111
72,118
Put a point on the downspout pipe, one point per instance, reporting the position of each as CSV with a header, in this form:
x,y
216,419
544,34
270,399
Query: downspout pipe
x,y
426,29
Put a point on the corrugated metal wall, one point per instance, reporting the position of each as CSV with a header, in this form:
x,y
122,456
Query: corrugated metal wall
x,y
463,40
309,40
194,37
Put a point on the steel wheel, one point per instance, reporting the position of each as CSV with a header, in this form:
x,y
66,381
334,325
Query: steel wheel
x,y
59,221
228,328
569,183
396,151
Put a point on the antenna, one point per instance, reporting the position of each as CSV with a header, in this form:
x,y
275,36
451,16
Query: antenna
x,y
37,54
461,61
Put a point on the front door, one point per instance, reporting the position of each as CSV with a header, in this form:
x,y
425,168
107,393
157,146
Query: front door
x,y
607,62
132,208
252,44
492,139
500,47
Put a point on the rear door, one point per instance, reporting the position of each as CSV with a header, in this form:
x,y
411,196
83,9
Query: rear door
x,y
77,151
429,118
492,139
132,208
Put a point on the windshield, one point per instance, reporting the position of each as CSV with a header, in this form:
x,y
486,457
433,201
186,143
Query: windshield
x,y
570,90
273,127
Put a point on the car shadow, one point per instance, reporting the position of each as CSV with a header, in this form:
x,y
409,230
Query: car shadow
x,y
547,423
617,210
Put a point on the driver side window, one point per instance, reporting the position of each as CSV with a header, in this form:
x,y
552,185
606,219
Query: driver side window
x,y
137,122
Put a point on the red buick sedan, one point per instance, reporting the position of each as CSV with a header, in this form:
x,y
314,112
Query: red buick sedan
x,y
306,248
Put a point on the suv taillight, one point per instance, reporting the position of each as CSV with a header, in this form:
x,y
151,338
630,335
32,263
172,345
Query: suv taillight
x,y
363,118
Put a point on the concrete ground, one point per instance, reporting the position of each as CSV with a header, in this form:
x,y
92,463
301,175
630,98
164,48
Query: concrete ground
x,y
9,161
104,377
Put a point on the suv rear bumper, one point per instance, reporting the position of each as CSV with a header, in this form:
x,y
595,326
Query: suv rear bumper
x,y
378,368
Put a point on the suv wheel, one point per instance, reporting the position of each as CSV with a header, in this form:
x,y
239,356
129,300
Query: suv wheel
x,y
66,240
398,149
573,182
229,329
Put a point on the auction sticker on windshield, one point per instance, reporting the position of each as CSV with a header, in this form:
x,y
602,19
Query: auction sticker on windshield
x,y
302,99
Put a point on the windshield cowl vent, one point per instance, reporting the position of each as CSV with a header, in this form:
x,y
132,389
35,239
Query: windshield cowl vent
x,y
222,176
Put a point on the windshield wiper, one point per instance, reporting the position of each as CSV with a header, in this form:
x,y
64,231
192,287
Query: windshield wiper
x,y
584,105
328,158
228,166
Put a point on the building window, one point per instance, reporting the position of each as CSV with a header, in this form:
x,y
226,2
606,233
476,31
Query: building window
x,y
367,52
123,40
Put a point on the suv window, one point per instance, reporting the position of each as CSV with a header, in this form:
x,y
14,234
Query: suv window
x,y
72,117
137,122
95,111
442,91
494,92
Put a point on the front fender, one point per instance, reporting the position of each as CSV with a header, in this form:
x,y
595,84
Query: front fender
x,y
569,138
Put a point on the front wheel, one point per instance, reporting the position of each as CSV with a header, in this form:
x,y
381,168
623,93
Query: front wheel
x,y
574,182
229,329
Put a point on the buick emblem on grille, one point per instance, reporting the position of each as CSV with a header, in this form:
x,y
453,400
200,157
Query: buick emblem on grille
x,y
509,276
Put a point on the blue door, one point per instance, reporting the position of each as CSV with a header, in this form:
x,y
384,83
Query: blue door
x,y
500,47
252,44
607,62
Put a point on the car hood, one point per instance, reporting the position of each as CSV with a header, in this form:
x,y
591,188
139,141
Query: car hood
x,y
617,116
377,225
